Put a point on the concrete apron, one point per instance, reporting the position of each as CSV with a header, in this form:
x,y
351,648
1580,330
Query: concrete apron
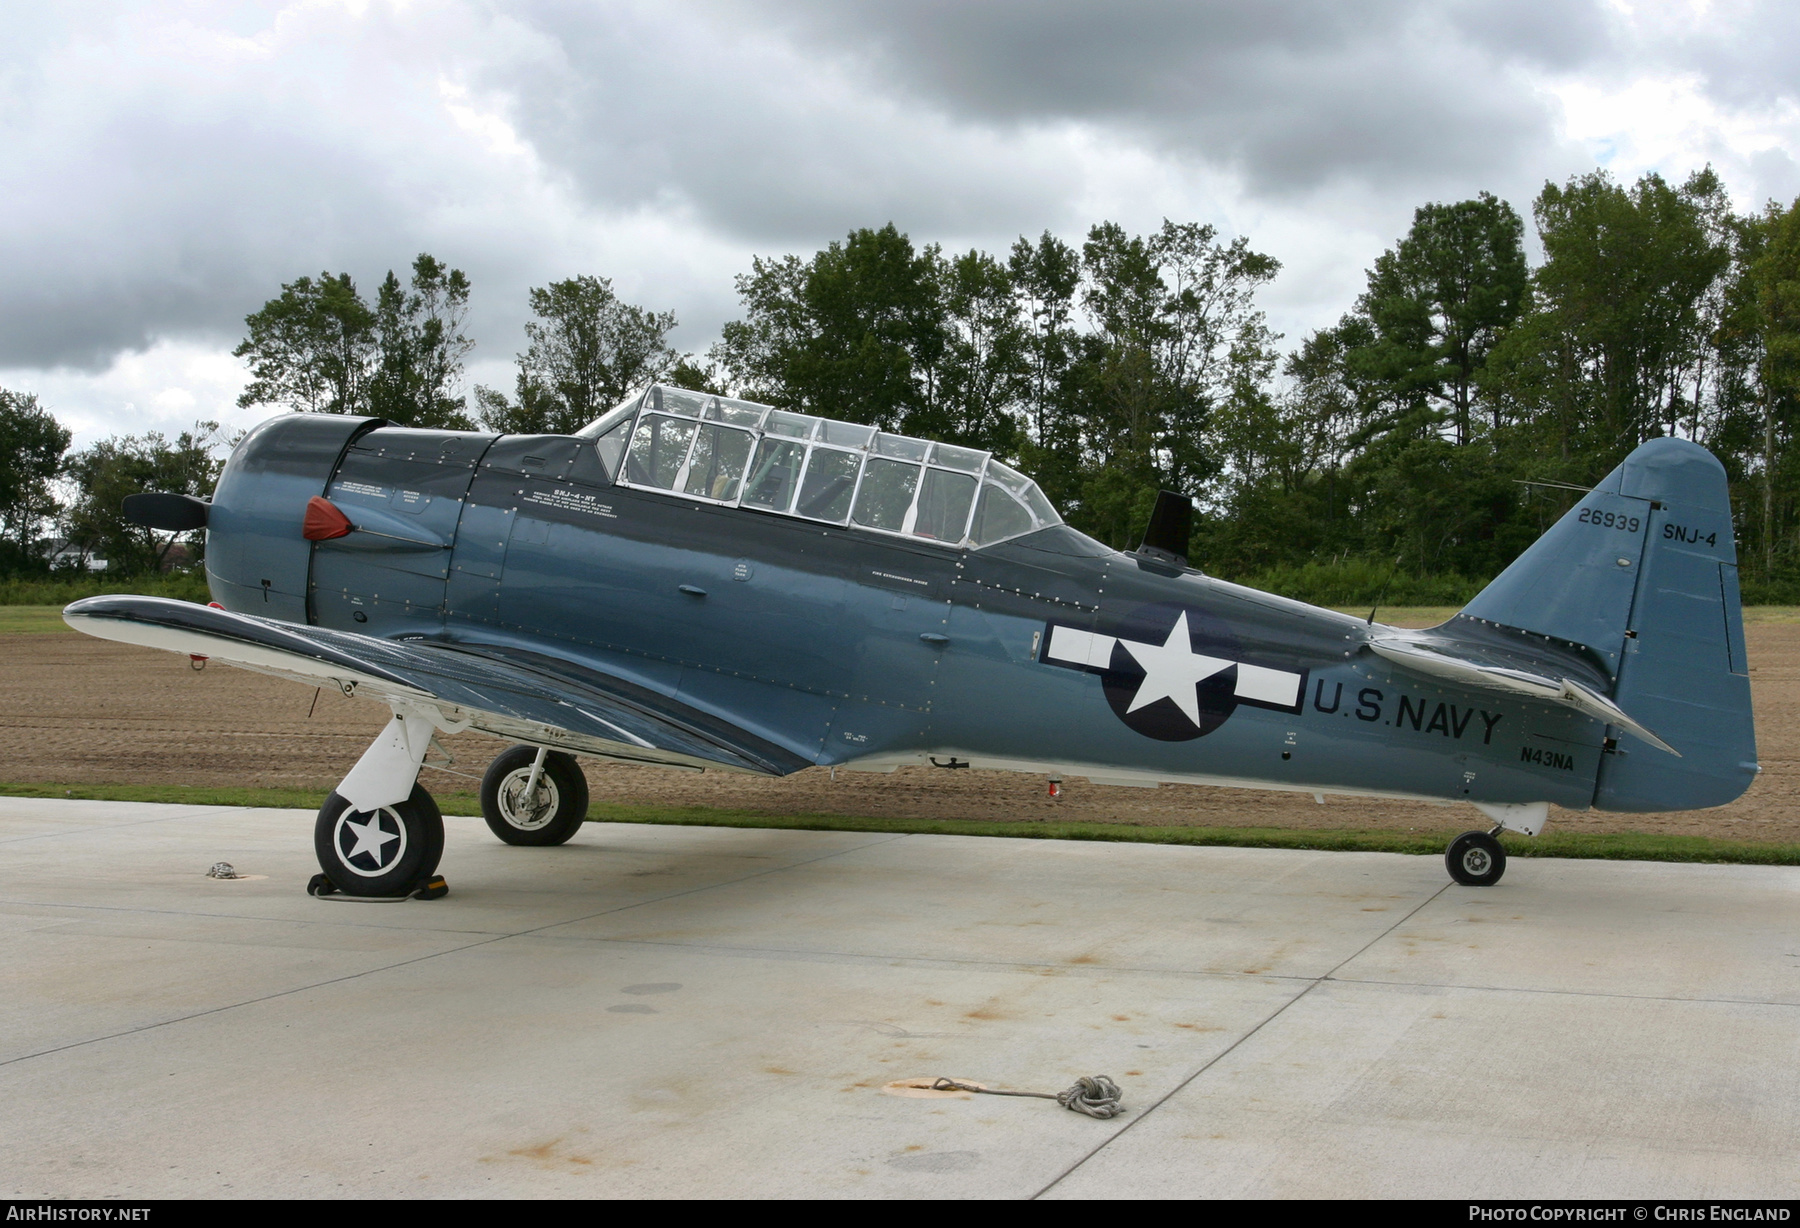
x,y
711,1012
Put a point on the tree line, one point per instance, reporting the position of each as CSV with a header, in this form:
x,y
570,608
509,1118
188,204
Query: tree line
x,y
1457,409
1451,414
61,511
1454,411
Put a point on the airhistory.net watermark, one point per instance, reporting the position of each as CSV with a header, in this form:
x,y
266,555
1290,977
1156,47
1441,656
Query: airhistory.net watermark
x,y
62,1213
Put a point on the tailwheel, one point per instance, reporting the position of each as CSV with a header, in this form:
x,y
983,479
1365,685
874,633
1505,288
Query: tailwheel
x,y
534,796
1476,859
388,851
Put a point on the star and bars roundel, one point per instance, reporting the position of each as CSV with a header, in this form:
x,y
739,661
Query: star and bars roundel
x,y
1171,672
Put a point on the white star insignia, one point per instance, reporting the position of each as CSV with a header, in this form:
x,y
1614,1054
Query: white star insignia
x,y
370,838
1172,670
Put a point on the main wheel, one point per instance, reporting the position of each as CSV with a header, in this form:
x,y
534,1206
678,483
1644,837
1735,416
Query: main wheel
x,y
389,851
1476,859
551,815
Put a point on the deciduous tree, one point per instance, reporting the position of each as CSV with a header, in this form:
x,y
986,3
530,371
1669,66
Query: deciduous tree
x,y
1437,304
311,348
976,395
856,333
104,474
1178,339
32,444
1599,362
586,351
420,347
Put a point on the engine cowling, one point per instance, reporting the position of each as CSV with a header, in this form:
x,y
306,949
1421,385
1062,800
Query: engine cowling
x,y
256,559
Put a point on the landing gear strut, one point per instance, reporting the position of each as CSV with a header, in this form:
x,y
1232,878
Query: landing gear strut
x,y
1476,859
534,796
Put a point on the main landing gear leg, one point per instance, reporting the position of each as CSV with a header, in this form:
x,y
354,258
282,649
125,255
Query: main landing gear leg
x,y
380,833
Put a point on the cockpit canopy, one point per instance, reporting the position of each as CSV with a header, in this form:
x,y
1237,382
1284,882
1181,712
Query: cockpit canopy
x,y
739,454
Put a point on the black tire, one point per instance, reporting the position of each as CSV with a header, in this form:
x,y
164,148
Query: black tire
x,y
562,799
1475,859
388,853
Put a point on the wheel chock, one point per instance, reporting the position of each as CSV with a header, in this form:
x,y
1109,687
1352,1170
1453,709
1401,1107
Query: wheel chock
x,y
433,888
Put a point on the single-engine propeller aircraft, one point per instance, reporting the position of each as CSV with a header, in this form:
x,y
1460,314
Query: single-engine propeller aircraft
x,y
704,583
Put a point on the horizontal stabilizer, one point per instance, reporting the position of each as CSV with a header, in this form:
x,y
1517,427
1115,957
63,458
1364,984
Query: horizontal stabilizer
x,y
1440,658
508,694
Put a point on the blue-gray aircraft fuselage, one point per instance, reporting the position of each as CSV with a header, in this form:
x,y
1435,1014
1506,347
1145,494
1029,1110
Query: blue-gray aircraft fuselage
x,y
710,584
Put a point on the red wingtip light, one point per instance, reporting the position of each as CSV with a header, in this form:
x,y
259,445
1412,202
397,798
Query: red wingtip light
x,y
323,521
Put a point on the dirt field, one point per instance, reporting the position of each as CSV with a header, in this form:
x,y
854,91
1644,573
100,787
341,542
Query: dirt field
x,y
75,710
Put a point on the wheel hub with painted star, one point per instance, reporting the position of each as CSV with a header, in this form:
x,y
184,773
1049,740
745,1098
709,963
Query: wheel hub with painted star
x,y
370,844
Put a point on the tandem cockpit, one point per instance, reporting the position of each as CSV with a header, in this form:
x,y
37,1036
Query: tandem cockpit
x,y
733,453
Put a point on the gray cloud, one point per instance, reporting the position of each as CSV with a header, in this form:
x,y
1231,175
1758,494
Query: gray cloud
x,y
1560,37
165,174
1746,56
760,138
167,168
1294,95
163,178
1747,51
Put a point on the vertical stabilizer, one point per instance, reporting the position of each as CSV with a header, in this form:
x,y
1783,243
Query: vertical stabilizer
x,y
1643,572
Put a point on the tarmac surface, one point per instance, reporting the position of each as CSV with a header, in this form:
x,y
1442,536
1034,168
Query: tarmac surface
x,y
710,1012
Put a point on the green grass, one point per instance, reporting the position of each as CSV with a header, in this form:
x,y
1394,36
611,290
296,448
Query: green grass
x,y
1404,615
1622,846
181,585
1772,614
30,619
202,795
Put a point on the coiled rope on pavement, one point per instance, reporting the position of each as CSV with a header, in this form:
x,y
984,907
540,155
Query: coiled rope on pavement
x,y
1095,1095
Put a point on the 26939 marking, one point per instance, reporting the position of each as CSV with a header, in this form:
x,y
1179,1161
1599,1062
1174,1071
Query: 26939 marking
x,y
1610,520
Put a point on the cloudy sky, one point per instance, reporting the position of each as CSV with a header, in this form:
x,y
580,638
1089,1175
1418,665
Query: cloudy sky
x,y
167,166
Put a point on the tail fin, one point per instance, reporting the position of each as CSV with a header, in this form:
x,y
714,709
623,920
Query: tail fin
x,y
1643,572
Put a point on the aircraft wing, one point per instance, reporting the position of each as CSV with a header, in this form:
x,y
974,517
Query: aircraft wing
x,y
1504,668
522,697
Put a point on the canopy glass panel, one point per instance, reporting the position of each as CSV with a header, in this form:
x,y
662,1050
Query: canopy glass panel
x,y
742,454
